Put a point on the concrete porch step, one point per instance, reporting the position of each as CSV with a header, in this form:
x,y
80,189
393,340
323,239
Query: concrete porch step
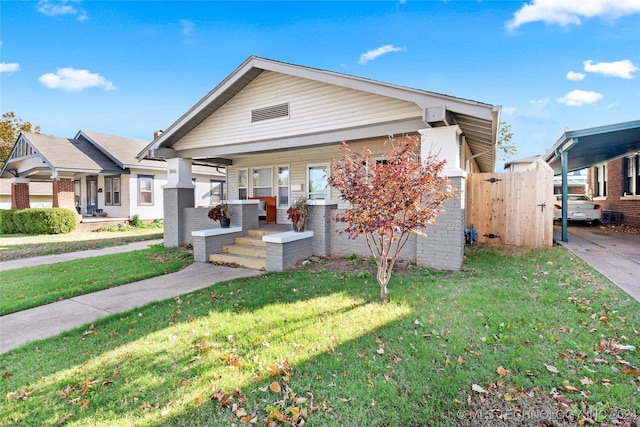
x,y
250,241
243,260
249,250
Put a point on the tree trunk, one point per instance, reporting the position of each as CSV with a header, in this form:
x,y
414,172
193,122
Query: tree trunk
x,y
384,274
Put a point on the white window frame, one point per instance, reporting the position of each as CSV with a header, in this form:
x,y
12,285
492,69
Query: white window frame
x,y
110,190
246,183
260,187
286,186
142,178
311,195
631,176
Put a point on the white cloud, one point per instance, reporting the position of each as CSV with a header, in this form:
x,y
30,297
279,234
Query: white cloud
x,y
539,102
373,54
623,69
509,110
577,98
568,12
572,75
74,80
187,26
9,67
62,7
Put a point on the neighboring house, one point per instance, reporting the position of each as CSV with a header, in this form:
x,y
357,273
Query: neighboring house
x,y
612,154
616,187
519,165
577,179
277,126
96,175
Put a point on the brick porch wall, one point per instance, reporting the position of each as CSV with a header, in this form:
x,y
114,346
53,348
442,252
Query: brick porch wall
x,y
63,195
630,206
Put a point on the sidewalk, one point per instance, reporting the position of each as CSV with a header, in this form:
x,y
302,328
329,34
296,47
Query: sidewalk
x,y
614,255
52,259
49,320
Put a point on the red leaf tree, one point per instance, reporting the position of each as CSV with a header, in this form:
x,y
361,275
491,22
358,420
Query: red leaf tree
x,y
389,198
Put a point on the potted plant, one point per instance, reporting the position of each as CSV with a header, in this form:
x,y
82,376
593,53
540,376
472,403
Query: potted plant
x,y
298,213
221,213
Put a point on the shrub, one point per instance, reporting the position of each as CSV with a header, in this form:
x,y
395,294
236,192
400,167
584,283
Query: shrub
x,y
39,221
135,221
7,222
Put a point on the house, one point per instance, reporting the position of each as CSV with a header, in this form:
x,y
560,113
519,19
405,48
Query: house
x,y
277,126
615,186
97,175
612,155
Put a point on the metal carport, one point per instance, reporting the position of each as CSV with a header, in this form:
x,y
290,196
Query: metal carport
x,y
580,149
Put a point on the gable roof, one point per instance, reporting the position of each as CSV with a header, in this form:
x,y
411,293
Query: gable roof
x,y
36,155
478,121
122,151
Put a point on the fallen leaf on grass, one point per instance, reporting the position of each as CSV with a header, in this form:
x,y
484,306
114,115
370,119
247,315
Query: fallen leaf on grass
x,y
586,381
478,389
551,369
275,387
344,400
501,371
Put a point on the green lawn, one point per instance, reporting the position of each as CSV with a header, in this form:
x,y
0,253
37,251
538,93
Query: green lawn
x,y
15,246
517,331
25,288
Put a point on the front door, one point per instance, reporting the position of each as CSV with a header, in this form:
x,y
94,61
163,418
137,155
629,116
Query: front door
x,y
92,194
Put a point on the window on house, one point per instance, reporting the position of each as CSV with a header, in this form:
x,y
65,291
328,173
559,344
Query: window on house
x,y
601,181
112,190
243,184
631,175
145,190
217,191
76,192
317,181
262,182
283,185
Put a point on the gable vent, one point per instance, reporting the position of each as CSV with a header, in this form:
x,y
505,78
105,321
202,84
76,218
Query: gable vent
x,y
275,111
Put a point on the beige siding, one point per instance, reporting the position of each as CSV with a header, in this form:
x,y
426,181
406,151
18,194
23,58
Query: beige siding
x,y
314,107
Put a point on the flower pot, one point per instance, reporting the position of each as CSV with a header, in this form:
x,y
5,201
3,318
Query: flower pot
x,y
296,227
225,222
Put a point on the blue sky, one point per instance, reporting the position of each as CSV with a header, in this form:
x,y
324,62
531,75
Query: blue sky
x,y
131,67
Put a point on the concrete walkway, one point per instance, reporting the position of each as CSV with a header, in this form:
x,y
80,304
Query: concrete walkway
x,y
615,255
49,320
52,259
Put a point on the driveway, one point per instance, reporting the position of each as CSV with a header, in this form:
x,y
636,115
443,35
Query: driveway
x,y
615,255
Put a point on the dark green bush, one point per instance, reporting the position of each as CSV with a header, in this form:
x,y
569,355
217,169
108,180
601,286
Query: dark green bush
x,y
7,222
38,221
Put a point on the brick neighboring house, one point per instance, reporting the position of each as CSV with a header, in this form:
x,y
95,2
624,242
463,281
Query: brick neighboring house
x,y
277,126
612,155
96,175
615,185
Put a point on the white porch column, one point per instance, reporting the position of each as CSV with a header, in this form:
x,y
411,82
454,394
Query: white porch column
x,y
178,195
443,248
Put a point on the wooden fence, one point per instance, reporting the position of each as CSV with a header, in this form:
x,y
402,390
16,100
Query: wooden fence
x,y
514,208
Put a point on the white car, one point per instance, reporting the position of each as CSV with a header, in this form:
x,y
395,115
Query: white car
x,y
581,208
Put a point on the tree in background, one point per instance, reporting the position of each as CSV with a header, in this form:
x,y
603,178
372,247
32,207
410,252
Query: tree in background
x,y
10,128
506,150
389,199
